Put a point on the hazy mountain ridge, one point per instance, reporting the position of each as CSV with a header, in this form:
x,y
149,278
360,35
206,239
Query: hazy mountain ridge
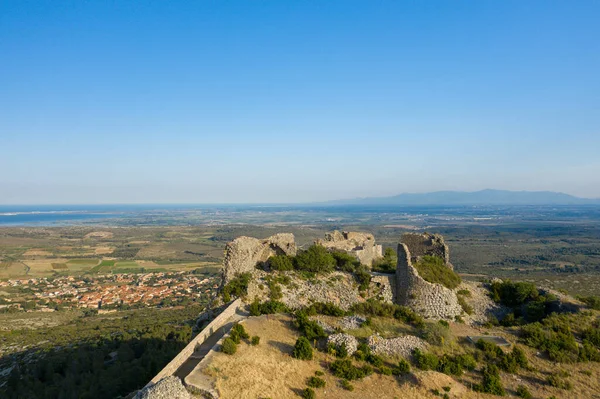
x,y
482,197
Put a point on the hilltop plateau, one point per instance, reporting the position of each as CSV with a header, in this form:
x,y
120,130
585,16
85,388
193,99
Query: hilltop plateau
x,y
344,318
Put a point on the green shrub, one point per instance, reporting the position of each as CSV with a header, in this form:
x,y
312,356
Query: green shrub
x,y
373,307
513,294
468,309
272,307
591,301
388,263
435,270
467,361
425,361
363,278
255,340
385,370
281,262
491,381
310,329
345,262
328,309
302,349
343,368
437,333
374,360
315,259
308,393
255,308
346,385
237,287
315,382
523,392
490,349
464,292
557,380
240,330
337,350
275,293
229,346
402,368
319,373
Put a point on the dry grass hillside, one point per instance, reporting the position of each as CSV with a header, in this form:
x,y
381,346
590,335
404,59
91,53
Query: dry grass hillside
x,y
268,370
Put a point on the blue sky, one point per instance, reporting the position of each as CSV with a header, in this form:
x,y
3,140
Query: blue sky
x,y
289,101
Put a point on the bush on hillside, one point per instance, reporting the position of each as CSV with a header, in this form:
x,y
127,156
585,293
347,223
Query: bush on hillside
x,y
402,368
328,309
523,392
437,333
281,262
237,287
373,307
348,371
315,259
302,349
315,382
435,270
424,360
310,329
388,263
308,393
591,301
345,262
491,381
229,346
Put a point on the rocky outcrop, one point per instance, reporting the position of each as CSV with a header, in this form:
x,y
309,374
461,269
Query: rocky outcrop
x,y
243,253
168,388
403,346
361,245
432,301
338,288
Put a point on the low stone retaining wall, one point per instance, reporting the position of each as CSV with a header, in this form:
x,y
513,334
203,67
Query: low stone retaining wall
x,y
184,355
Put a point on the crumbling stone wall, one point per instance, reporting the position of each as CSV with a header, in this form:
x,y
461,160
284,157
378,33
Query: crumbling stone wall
x,y
427,244
432,301
243,253
361,245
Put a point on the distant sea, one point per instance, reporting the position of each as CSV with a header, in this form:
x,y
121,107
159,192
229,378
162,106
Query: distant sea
x,y
60,215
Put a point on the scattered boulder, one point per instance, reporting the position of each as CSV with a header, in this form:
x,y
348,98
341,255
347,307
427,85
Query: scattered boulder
x,y
168,388
403,346
346,340
243,253
361,245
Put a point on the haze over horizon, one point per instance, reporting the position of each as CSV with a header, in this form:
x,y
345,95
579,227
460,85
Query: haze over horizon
x,y
287,102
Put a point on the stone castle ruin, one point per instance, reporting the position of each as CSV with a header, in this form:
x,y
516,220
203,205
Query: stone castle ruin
x,y
432,301
407,287
243,253
361,245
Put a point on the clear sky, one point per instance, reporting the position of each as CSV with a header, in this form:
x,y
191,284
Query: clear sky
x,y
289,101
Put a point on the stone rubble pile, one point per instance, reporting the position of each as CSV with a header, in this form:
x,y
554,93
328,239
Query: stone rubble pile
x,y
352,322
326,327
403,346
344,340
168,388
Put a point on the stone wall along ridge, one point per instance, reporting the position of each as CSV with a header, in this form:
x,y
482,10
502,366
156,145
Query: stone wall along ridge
x,y
186,352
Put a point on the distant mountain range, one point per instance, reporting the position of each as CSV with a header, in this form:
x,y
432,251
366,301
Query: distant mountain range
x,y
483,197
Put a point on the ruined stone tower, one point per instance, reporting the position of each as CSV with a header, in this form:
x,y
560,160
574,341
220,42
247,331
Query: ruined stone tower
x,y
428,299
